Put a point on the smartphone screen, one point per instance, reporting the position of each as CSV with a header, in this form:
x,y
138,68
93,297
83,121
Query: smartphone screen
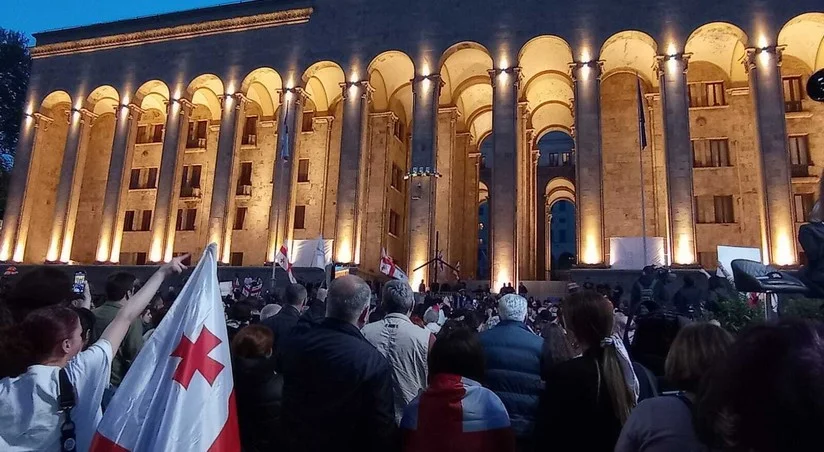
x,y
79,282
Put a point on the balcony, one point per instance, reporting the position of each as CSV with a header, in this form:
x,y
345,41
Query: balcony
x,y
792,106
244,190
800,171
190,192
249,140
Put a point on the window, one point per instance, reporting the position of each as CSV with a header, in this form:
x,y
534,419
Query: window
x,y
715,209
713,153
140,258
708,259
799,150
307,121
197,134
236,259
707,94
792,93
143,178
190,183
150,133
186,219
244,180
250,131
394,223
397,177
240,218
399,130
803,205
134,179
128,221
300,217
146,221
303,170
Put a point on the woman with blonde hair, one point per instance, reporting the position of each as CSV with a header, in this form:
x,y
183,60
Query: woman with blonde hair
x,y
587,399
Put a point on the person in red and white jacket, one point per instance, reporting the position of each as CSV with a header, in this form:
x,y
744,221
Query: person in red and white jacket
x,y
456,413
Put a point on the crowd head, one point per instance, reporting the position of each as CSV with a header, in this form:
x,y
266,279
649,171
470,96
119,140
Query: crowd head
x,y
348,300
512,307
695,349
397,298
457,351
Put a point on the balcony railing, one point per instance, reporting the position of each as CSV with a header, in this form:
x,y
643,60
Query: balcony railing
x,y
792,106
190,192
800,171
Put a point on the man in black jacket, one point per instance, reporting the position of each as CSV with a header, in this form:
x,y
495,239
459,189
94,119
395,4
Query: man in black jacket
x,y
282,323
337,386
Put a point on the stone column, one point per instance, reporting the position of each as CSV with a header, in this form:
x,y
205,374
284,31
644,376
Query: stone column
x,y
68,189
588,164
446,209
764,69
672,70
355,115
163,221
548,237
15,221
473,163
524,188
425,92
119,164
503,194
291,111
225,167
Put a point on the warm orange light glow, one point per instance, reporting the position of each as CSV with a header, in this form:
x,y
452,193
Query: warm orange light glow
x,y
19,253
4,253
425,70
672,49
52,255
102,250
763,42
586,56
683,250
156,252
591,250
344,252
783,249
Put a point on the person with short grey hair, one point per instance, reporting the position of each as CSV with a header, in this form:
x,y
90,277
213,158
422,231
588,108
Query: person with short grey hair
x,y
337,392
513,366
403,343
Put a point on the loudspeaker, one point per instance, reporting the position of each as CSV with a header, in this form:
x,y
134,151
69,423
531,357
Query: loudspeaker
x,y
815,86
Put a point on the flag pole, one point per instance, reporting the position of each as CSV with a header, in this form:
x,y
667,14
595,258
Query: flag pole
x,y
642,141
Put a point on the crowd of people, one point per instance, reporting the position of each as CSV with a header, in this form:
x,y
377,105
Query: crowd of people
x,y
361,368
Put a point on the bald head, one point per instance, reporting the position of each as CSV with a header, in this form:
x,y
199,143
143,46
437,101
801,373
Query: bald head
x,y
347,299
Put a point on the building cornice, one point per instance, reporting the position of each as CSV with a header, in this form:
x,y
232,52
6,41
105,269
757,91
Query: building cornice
x,y
274,19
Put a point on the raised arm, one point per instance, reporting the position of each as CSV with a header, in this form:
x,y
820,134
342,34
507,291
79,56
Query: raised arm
x,y
116,331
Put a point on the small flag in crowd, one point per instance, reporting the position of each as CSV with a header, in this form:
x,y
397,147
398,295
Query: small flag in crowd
x,y
178,394
440,260
282,260
457,270
389,268
252,287
319,259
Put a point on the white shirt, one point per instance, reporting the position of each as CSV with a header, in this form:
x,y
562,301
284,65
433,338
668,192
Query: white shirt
x,y
406,346
28,403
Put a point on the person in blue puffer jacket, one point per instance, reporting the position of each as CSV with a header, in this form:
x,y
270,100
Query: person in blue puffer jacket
x,y
514,366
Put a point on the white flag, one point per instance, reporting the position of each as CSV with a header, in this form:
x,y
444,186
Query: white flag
x,y
319,260
179,394
282,260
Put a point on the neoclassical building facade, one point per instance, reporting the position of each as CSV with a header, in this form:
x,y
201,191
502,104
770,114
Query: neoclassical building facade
x,y
258,123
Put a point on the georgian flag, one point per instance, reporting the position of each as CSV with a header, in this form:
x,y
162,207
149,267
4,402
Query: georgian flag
x,y
282,260
179,395
457,270
389,268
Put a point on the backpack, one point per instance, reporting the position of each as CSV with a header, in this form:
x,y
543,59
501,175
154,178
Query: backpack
x,y
648,293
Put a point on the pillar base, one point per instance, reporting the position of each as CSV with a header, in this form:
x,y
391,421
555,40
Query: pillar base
x,y
601,266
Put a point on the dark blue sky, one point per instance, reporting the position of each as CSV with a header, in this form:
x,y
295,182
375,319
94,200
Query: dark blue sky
x,y
31,16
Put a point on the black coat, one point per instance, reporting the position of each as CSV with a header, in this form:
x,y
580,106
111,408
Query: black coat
x,y
572,415
811,237
259,394
337,391
282,323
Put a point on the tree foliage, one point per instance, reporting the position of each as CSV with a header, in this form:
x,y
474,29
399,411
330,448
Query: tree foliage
x,y
15,68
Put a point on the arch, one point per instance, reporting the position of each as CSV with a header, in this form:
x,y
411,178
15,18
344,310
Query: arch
x,y
559,189
261,86
803,37
464,70
54,98
153,94
632,51
544,54
722,44
206,90
483,192
322,82
556,147
104,99
390,74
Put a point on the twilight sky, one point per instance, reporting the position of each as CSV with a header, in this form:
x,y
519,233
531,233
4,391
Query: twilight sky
x,y
31,16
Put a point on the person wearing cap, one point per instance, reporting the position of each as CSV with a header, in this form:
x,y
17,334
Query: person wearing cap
x,y
513,366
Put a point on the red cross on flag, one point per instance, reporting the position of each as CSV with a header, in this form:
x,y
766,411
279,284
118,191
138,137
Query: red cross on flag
x,y
178,394
282,260
389,268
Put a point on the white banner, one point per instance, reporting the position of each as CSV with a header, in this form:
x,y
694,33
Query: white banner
x,y
305,253
627,253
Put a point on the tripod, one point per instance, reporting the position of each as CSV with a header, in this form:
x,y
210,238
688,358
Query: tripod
x,y
437,261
